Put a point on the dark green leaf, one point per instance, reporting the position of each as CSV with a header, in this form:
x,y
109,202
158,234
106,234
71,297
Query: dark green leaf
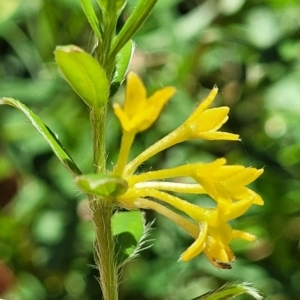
x,y
47,134
101,185
84,74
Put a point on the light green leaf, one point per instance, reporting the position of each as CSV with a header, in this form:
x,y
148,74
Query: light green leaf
x,y
231,291
128,229
47,134
101,184
84,74
92,18
123,60
112,7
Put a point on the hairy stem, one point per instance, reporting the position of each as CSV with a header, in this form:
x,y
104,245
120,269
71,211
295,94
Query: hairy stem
x,y
102,211
104,246
98,122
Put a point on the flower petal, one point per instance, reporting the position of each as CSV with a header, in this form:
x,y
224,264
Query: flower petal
x,y
233,211
197,247
154,106
241,193
136,95
217,249
243,235
244,178
123,118
211,119
218,135
203,105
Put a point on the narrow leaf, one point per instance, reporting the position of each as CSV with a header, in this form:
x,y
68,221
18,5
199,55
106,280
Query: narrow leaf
x,y
123,60
84,74
132,25
128,230
101,184
47,134
92,18
231,291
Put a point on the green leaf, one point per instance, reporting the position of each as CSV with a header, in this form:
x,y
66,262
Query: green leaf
x,y
92,18
123,60
101,184
132,25
47,134
230,291
128,229
112,7
84,74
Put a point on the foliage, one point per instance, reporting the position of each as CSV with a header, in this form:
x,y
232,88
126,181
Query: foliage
x,y
250,49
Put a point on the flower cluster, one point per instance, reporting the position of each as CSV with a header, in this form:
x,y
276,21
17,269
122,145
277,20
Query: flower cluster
x,y
225,184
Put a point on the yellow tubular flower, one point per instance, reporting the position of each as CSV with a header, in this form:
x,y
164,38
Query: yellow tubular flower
x,y
139,113
204,122
225,184
217,249
214,242
197,247
228,183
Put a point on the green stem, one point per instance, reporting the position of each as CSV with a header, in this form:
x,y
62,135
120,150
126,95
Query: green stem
x,y
104,244
98,122
102,211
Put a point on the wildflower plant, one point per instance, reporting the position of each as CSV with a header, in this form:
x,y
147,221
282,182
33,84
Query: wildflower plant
x,y
95,78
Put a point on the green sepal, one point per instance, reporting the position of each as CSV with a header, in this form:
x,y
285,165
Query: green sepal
x,y
101,184
123,60
128,229
84,74
46,133
92,17
110,7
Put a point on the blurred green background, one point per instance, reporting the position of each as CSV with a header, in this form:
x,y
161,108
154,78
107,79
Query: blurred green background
x,y
250,49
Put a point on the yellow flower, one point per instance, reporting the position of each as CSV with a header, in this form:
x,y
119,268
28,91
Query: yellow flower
x,y
139,113
215,234
214,242
228,183
225,184
204,123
